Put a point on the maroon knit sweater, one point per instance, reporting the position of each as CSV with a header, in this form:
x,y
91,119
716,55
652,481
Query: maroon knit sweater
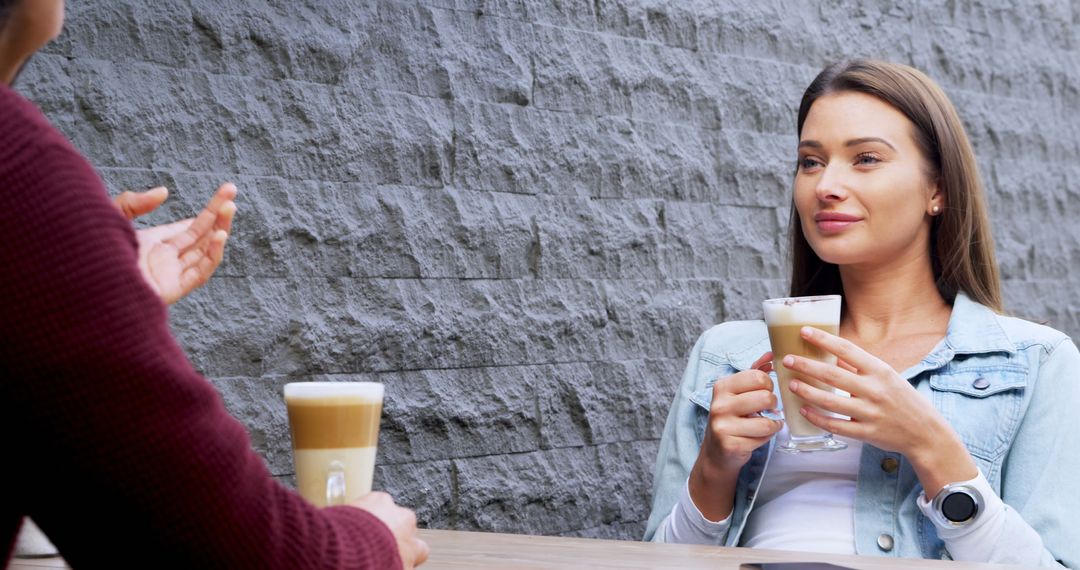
x,y
116,447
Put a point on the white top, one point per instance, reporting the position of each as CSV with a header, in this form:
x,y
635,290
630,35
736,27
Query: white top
x,y
807,503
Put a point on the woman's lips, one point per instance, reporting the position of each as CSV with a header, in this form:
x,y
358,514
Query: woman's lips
x,y
834,226
834,222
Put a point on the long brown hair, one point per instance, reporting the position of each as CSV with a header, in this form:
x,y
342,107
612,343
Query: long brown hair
x,y
961,247
5,9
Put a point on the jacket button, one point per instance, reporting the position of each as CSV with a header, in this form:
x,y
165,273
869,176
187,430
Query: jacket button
x,y
889,465
885,542
980,383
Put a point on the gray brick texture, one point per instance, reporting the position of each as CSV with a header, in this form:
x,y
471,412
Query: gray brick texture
x,y
519,214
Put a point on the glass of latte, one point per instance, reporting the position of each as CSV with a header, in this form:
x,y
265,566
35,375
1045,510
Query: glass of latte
x,y
784,318
335,428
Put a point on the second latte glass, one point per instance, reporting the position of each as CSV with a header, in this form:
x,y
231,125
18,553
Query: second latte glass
x,y
335,429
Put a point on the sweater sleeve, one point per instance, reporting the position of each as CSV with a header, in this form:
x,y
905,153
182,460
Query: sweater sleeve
x,y
127,455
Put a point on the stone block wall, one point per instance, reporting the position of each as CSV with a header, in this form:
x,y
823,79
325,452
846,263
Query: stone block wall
x,y
519,214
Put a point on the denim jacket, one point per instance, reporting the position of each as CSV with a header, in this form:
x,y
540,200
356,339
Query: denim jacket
x,y
1011,390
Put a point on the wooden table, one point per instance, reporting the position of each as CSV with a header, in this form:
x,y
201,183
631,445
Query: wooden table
x,y
461,550
489,551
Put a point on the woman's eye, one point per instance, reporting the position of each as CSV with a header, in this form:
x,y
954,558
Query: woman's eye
x,y
806,163
867,159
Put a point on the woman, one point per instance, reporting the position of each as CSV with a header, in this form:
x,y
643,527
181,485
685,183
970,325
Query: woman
x,y
950,400
107,418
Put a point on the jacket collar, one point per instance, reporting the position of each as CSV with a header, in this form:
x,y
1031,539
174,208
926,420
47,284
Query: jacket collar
x,y
975,329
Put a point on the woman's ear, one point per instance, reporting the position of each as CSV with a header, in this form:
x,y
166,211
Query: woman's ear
x,y
936,204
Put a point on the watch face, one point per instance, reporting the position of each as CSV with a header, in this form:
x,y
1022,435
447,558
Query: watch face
x,y
958,507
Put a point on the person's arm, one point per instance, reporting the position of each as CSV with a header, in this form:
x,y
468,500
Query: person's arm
x,y
1039,476
678,450
179,257
1047,437
126,453
687,525
979,539
694,484
1039,471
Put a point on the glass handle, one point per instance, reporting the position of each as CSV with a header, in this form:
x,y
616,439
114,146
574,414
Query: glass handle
x,y
772,413
335,484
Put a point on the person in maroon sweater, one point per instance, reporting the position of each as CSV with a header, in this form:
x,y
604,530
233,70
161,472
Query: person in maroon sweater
x,y
123,454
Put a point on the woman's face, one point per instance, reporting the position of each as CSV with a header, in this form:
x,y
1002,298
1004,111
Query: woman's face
x,y
862,190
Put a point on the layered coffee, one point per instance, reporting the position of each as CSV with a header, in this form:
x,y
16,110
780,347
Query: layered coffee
x,y
786,339
785,318
335,430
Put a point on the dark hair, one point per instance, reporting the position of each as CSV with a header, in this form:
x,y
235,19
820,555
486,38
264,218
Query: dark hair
x,y
5,8
961,248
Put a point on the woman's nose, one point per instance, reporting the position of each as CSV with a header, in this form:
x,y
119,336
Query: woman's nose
x,y
830,187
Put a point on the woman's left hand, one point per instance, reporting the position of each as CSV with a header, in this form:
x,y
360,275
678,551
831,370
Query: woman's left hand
x,y
885,410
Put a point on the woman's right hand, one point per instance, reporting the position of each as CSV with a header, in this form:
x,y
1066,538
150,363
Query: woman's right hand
x,y
732,434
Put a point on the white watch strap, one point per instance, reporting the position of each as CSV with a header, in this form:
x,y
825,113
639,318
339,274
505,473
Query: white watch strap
x,y
991,504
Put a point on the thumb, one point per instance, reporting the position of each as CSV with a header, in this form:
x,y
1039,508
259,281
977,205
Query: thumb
x,y
135,204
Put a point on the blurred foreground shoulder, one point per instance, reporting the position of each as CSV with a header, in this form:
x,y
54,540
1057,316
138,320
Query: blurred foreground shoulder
x,y
20,121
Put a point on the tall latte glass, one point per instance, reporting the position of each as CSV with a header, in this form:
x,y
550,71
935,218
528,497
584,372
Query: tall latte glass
x,y
335,427
784,318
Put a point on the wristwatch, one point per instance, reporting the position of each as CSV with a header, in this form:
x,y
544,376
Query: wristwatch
x,y
956,505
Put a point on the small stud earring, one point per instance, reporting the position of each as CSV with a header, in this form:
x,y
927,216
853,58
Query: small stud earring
x,y
935,209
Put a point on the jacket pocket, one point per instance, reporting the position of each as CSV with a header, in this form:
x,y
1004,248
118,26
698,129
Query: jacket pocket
x,y
983,405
